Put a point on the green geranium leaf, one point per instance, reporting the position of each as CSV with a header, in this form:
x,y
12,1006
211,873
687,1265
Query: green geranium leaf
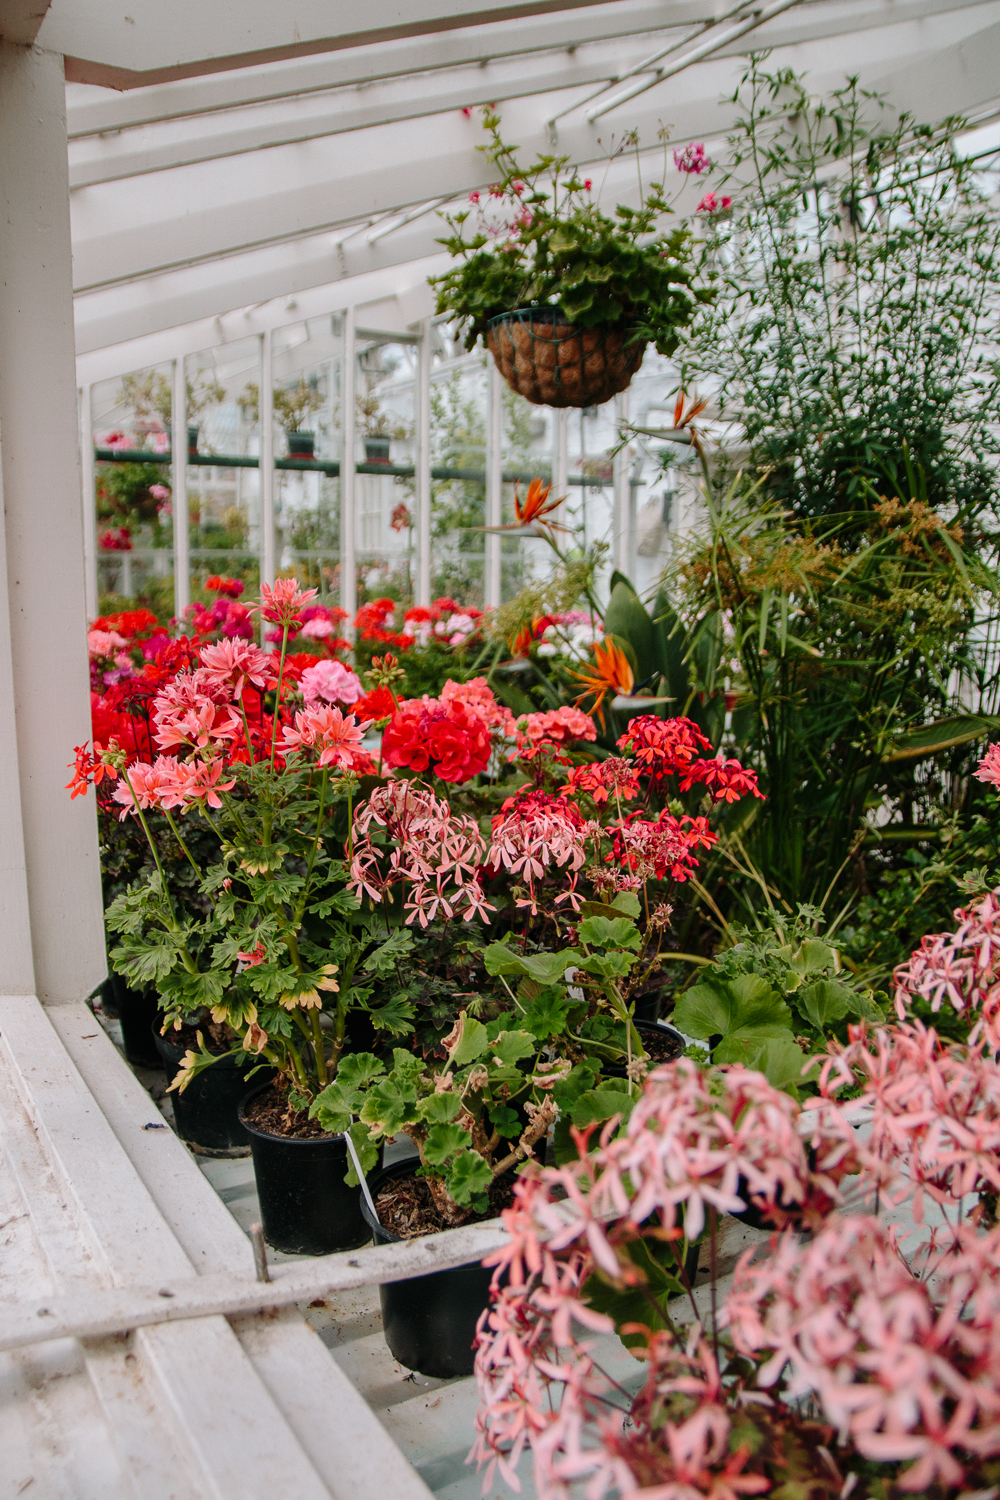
x,y
367,1151
444,1141
609,932
627,902
440,1109
358,1069
505,1121
780,1059
511,1046
334,1106
716,1007
468,1181
824,1001
546,1016
814,957
607,965
546,968
389,1106
597,1105
472,1042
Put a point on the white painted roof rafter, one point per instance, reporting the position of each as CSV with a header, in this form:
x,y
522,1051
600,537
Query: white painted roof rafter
x,y
268,197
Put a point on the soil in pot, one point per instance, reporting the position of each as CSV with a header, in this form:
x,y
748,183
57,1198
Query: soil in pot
x,y
551,362
306,1207
429,1321
137,1014
207,1112
663,1044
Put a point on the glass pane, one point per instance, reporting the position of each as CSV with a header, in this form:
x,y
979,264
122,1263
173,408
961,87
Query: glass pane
x,y
385,391
135,558
459,418
307,362
223,494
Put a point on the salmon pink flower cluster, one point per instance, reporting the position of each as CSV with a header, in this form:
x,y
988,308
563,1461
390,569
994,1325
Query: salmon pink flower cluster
x,y
535,831
895,1348
334,739
961,968
432,853
906,1367
693,1147
558,726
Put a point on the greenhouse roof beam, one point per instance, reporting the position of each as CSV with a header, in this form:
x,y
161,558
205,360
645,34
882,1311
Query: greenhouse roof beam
x,y
97,110
157,43
147,225
125,148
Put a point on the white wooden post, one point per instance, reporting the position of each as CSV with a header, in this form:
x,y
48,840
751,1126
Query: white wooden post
x,y
179,454
348,569
561,475
492,579
265,416
621,472
50,880
88,495
423,462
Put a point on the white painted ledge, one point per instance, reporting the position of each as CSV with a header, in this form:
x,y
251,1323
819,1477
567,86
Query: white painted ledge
x,y
92,1206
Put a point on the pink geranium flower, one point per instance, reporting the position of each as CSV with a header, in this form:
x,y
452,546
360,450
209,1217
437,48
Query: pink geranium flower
x,y
330,681
989,767
282,602
234,663
336,737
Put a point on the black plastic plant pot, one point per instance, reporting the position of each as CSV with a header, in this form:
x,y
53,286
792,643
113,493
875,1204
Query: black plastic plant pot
x,y
648,1030
137,1015
429,1322
207,1112
377,450
301,444
306,1207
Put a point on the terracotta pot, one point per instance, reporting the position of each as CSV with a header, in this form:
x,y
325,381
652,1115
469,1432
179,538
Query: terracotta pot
x,y
551,362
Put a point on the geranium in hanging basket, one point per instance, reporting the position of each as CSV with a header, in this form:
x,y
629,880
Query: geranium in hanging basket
x,y
565,296
551,361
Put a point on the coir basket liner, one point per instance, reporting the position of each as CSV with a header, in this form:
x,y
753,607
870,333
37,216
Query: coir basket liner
x,y
551,362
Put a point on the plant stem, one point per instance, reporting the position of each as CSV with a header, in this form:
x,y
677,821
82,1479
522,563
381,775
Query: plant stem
x,y
277,691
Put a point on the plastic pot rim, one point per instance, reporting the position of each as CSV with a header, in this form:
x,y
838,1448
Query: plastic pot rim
x,y
270,1135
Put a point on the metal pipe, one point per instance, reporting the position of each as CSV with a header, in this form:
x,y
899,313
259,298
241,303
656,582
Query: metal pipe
x,y
331,467
347,470
265,417
713,44
649,62
423,476
492,562
179,499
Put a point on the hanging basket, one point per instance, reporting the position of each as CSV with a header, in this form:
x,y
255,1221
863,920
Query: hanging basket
x,y
551,362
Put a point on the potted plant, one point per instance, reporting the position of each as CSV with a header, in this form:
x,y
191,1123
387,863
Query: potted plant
x,y
377,429
292,406
266,974
473,1116
565,296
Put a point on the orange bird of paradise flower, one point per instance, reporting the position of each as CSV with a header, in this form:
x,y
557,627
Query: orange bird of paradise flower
x,y
686,418
611,674
537,506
